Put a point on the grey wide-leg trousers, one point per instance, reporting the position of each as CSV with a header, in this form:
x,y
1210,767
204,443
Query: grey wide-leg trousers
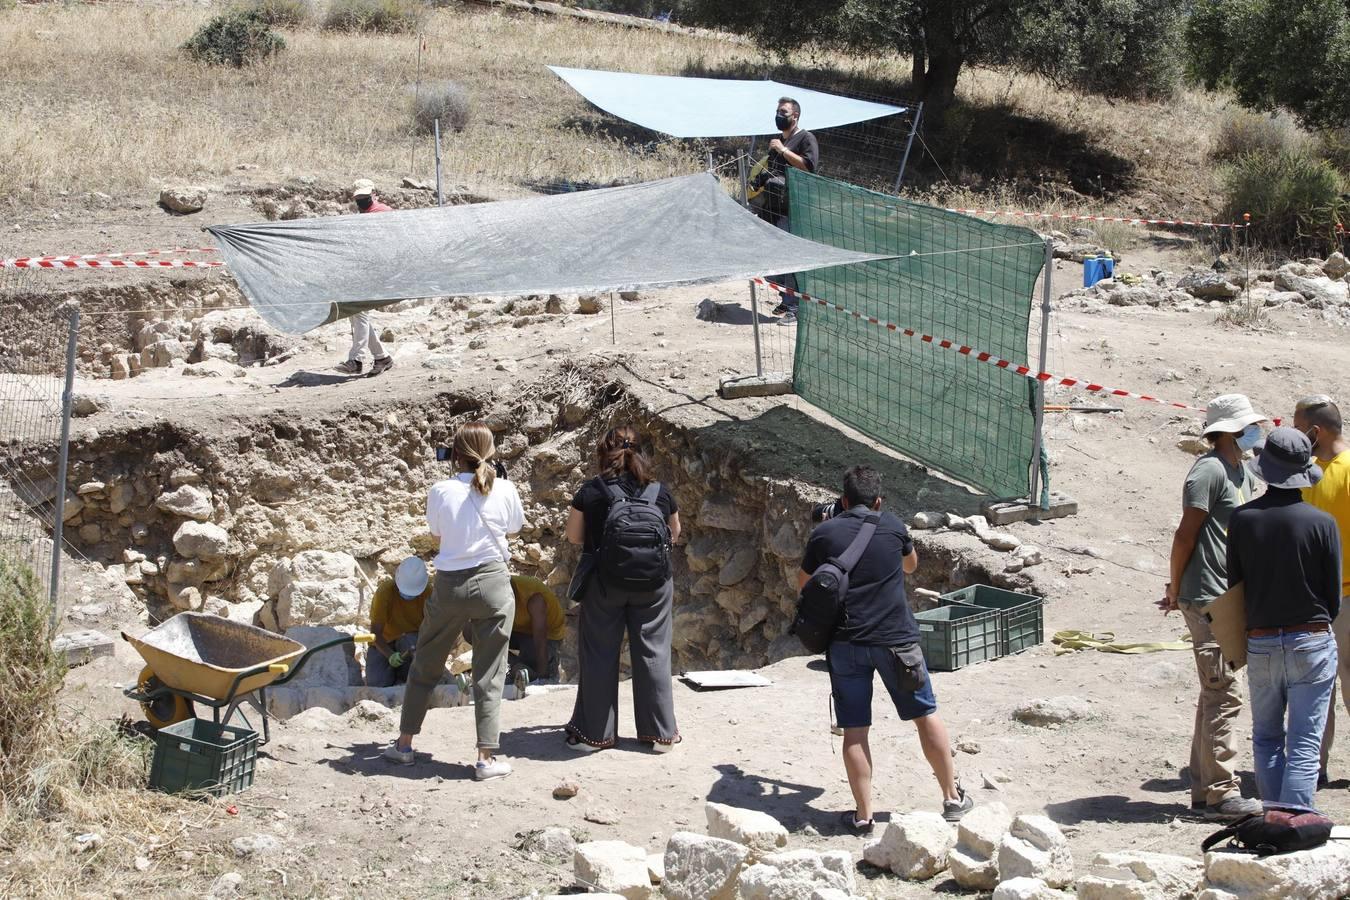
x,y
606,614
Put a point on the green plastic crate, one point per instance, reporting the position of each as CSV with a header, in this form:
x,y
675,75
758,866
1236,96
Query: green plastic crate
x,y
954,636
1021,616
199,755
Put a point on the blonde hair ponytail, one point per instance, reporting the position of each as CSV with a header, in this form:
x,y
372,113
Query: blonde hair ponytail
x,y
473,448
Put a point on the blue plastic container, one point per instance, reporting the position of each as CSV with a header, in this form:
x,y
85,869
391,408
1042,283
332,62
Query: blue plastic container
x,y
1098,268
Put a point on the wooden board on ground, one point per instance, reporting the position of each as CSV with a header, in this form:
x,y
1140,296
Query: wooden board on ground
x,y
1006,512
82,646
708,681
1227,615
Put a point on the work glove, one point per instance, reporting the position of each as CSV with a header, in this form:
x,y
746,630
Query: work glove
x,y
395,659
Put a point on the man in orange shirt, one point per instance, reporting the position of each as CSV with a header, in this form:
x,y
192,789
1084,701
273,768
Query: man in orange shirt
x,y
1320,419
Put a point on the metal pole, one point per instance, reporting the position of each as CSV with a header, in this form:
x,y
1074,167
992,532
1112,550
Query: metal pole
x,y
440,197
710,165
904,160
613,335
1038,439
745,190
63,460
754,323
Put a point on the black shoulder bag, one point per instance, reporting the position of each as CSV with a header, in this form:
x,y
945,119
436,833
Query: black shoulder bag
x,y
820,605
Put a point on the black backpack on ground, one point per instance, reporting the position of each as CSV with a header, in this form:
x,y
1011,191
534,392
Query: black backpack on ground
x,y
634,550
821,602
1279,829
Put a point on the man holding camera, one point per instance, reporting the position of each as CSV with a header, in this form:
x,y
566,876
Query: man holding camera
x,y
878,634
797,148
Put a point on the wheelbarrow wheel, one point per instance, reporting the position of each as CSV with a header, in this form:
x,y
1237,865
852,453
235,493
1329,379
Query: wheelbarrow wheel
x,y
162,711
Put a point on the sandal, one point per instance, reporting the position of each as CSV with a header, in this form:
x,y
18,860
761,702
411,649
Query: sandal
x,y
854,825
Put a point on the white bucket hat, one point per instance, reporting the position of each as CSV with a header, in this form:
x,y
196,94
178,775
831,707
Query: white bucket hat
x,y
1230,414
363,187
411,577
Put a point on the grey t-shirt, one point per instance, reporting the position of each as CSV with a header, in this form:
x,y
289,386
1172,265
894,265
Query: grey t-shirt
x,y
1218,490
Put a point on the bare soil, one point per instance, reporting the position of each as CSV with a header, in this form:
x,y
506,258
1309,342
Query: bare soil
x,y
350,824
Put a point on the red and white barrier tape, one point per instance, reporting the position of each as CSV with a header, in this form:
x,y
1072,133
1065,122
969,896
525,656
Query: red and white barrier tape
x,y
1081,218
103,263
978,355
174,251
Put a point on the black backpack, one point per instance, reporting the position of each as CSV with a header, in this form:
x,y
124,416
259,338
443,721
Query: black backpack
x,y
1279,829
635,545
821,602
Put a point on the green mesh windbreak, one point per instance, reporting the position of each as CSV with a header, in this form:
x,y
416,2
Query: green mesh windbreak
x,y
961,279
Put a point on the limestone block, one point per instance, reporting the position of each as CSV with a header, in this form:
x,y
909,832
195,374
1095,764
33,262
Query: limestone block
x,y
797,877
914,845
328,668
841,863
725,513
971,871
201,540
1173,876
284,702
1322,873
698,867
974,859
188,502
316,587
120,497
1028,889
1035,848
1053,711
550,843
833,869
613,866
332,699
739,567
759,831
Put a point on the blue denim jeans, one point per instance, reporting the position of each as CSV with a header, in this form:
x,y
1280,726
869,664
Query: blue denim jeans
x,y
1293,675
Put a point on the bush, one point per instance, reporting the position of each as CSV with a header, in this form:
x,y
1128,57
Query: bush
x,y
282,13
30,677
1333,145
236,38
1294,198
1242,133
386,16
446,101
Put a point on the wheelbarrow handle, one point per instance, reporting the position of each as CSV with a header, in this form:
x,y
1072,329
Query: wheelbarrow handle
x,y
364,638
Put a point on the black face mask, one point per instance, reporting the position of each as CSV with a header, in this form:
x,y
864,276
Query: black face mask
x,y
783,122
363,202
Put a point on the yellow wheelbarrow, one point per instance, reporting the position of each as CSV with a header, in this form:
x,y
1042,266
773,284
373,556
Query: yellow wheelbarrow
x,y
199,658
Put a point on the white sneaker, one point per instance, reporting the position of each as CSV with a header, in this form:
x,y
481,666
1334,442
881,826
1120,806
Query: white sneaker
x,y
402,757
486,770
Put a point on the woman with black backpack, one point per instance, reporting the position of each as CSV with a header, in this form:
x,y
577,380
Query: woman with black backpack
x,y
625,523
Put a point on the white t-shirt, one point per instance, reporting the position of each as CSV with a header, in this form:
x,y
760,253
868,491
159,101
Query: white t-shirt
x,y
472,528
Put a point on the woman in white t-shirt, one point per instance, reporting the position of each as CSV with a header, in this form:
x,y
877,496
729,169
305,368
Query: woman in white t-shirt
x,y
472,513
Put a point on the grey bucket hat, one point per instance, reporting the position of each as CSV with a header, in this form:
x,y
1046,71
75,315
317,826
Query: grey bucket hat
x,y
1286,460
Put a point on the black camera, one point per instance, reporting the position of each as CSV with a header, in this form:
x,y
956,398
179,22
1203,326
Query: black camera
x,y
822,511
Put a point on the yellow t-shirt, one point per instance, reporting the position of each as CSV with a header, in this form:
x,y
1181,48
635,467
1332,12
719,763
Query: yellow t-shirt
x,y
1332,494
526,587
400,616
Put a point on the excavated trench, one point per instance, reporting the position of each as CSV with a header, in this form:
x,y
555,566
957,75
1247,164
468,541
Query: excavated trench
x,y
288,521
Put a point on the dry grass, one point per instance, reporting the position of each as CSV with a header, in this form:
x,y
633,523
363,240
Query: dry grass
x,y
336,105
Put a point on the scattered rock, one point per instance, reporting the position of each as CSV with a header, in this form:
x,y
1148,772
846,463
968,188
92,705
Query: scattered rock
x,y
602,815
1035,848
1140,874
698,867
1336,265
656,868
566,790
1319,290
255,845
188,501
1194,444
590,304
182,199
1319,874
739,567
1208,286
925,520
1028,889
88,841
201,540
914,846
370,711
759,831
974,859
83,405
550,843
613,866
226,885
1053,711
794,875
1000,540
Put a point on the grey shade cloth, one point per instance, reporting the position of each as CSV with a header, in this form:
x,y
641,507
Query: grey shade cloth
x,y
305,273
